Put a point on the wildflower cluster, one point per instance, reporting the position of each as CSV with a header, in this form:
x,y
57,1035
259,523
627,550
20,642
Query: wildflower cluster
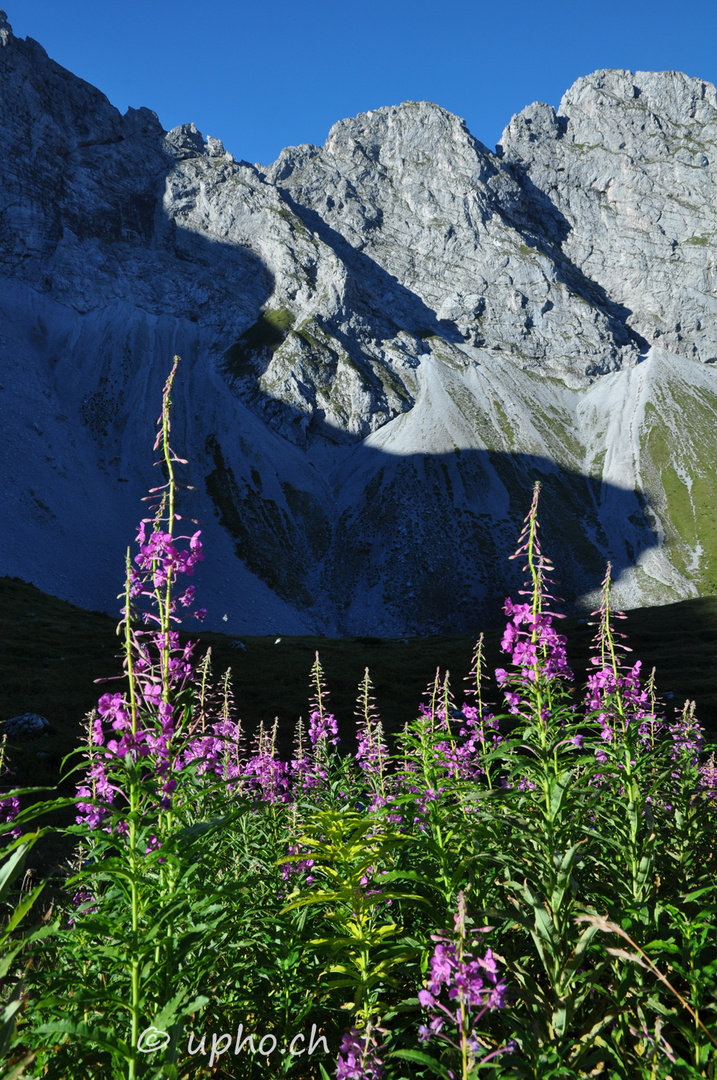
x,y
323,728
358,1055
160,561
472,988
614,693
10,805
536,649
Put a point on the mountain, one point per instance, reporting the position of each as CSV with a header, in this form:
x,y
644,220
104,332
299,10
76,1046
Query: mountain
x,y
384,341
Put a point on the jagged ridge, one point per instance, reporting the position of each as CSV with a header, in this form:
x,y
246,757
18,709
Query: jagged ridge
x,y
385,340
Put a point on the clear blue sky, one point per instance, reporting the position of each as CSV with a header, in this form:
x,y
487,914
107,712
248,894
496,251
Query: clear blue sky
x,y
265,74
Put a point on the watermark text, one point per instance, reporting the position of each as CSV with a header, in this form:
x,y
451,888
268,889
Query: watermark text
x,y
152,1039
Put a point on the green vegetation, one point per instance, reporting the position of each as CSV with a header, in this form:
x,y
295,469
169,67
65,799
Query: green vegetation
x,y
688,500
266,538
267,333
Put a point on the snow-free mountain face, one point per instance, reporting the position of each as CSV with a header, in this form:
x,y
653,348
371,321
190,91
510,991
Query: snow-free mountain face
x,y
384,342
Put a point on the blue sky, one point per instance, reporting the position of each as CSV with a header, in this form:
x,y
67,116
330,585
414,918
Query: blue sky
x,y
261,76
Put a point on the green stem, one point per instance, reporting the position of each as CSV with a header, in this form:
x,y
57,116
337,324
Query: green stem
x,y
135,959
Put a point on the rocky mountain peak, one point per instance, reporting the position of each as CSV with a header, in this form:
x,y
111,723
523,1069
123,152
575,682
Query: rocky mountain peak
x,y
382,135
670,95
5,30
385,340
628,166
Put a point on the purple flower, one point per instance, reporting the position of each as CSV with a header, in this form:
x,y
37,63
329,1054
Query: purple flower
x,y
113,707
9,809
299,867
708,777
80,898
321,726
471,984
358,1056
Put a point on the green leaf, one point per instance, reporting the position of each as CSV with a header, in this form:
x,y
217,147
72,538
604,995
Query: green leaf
x,y
556,789
8,1018
23,907
689,897
18,1069
11,868
89,1033
422,1059
8,958
177,1008
564,873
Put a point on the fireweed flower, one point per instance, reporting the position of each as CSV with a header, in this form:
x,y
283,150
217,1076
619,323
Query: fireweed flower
x,y
470,984
304,771
301,866
371,752
536,649
474,734
9,809
143,727
371,749
323,726
687,736
80,898
358,1055
615,698
10,805
159,554
113,708
264,773
99,788
708,777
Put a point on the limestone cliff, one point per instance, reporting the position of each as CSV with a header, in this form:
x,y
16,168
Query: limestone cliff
x,y
384,341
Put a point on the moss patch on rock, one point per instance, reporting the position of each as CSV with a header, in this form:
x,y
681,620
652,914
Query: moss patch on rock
x,y
267,333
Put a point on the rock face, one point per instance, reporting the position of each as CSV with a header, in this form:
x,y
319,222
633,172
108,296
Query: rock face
x,y
384,342
628,165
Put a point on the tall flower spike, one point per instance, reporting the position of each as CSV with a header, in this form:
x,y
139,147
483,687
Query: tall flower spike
x,y
476,677
9,806
608,643
368,753
358,1055
204,670
538,566
481,727
432,711
228,695
301,760
472,989
537,651
613,690
321,723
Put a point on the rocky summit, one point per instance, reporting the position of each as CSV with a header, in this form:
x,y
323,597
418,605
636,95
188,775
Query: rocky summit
x,y
384,342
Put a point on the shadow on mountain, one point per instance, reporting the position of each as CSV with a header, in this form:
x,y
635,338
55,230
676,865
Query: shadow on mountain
x,y
420,543
399,544
545,228
373,287
374,542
